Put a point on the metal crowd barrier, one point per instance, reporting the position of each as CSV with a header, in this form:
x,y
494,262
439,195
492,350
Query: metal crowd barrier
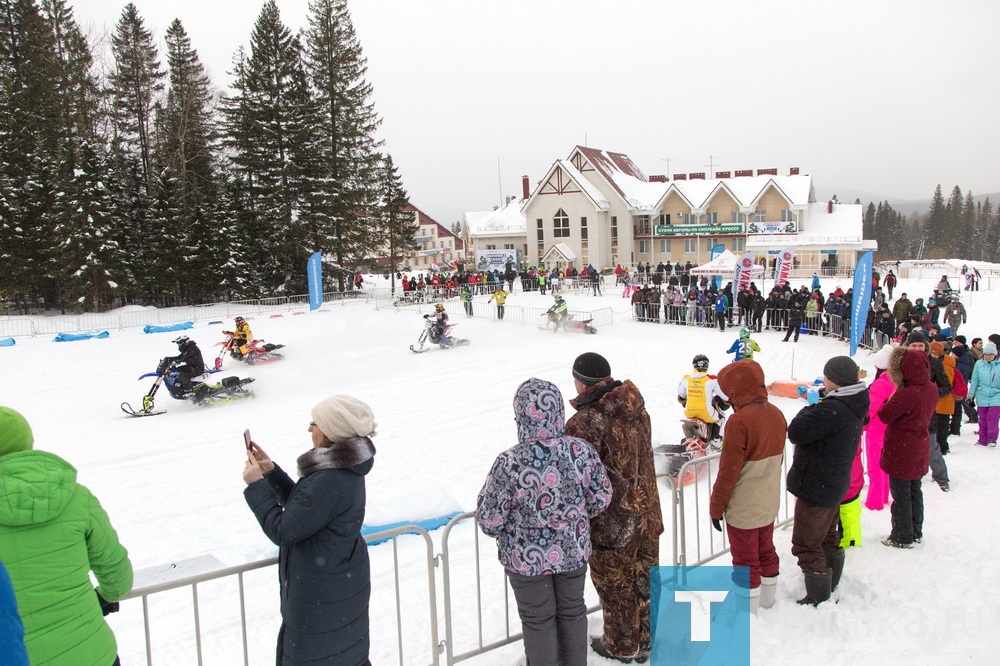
x,y
193,582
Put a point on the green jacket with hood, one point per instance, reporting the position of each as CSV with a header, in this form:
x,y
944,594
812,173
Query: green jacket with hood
x,y
53,532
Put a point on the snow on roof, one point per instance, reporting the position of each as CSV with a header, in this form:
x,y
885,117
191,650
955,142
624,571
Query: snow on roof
x,y
506,221
561,249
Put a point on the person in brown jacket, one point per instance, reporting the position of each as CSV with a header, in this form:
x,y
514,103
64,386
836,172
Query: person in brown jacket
x,y
747,490
946,404
611,415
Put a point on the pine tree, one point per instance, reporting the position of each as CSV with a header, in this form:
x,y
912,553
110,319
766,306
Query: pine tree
x,y
346,159
397,223
936,224
188,156
268,125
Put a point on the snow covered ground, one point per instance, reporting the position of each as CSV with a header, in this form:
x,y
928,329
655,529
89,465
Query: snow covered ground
x,y
173,488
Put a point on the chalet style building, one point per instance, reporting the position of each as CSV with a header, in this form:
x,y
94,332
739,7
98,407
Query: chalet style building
x,y
436,246
597,207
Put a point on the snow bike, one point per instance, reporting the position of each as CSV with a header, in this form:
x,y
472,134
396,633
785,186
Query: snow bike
x,y
944,297
430,334
554,322
202,393
258,352
696,443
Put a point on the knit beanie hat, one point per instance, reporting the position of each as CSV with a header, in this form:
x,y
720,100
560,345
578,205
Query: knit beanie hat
x,y
988,348
916,336
341,417
591,368
15,433
881,359
841,370
937,348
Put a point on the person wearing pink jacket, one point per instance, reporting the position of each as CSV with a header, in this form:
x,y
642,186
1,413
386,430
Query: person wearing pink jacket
x,y
879,391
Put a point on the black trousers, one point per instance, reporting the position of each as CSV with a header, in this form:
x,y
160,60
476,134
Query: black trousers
x,y
907,510
553,616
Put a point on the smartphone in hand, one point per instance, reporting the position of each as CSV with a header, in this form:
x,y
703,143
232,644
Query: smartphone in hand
x,y
246,439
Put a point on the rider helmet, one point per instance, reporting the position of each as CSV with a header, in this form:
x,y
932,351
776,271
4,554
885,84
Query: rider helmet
x,y
182,342
744,333
240,321
558,297
439,307
700,362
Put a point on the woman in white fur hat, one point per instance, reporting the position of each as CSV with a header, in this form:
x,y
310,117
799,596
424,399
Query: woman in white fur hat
x,y
316,523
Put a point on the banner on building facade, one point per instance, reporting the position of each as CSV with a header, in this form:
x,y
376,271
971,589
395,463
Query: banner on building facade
x,y
743,271
427,253
314,277
696,229
783,264
861,299
788,227
488,260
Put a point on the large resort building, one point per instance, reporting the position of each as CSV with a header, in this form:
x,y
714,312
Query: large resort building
x,y
597,207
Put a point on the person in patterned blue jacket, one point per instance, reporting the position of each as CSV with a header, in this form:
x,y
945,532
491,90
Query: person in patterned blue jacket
x,y
537,502
744,347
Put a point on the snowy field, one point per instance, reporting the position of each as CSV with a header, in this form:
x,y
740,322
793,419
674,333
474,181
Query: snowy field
x,y
173,488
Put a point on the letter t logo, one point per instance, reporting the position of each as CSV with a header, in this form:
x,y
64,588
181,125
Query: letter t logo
x,y
701,610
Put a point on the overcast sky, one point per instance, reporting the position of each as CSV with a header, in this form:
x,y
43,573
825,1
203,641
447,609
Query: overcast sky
x,y
887,97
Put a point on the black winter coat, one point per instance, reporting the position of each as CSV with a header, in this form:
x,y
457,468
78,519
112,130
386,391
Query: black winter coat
x,y
323,566
826,437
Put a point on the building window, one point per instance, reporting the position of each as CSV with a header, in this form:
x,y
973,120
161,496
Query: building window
x,y
690,245
710,243
584,236
787,215
711,218
734,217
738,244
541,237
665,246
760,216
508,246
690,218
614,234
665,219
560,224
642,226
491,247
644,246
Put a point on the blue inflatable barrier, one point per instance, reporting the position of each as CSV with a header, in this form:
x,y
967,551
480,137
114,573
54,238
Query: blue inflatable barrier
x,y
7,342
72,337
429,524
149,328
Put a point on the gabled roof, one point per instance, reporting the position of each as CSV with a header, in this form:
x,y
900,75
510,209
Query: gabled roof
x,y
443,231
621,173
561,250
573,177
506,221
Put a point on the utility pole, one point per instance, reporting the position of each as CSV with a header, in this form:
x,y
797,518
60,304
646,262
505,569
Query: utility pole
x,y
499,182
711,166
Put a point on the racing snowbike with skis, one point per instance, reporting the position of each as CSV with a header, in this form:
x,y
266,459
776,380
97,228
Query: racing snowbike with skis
x,y
430,336
258,351
203,393
696,443
554,323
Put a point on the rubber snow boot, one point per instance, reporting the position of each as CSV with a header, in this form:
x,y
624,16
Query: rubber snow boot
x,y
835,561
753,594
817,587
768,587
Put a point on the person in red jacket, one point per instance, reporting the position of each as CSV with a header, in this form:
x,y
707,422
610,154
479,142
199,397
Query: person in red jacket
x,y
747,491
906,449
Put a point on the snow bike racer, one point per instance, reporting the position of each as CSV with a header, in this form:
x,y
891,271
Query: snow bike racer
x,y
441,324
190,363
744,347
701,396
559,310
241,338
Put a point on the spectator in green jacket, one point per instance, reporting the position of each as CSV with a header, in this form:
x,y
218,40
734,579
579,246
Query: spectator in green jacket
x,y
53,532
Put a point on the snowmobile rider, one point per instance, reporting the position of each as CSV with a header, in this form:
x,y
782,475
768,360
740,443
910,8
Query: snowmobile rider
x,y
440,324
744,347
190,363
241,338
559,309
701,396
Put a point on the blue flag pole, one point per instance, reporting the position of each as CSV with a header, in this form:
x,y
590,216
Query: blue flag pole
x,y
861,299
314,274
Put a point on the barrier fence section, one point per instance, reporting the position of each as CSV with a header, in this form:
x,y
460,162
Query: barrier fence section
x,y
24,326
427,604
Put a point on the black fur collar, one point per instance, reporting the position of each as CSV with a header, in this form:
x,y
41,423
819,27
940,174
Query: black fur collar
x,y
339,455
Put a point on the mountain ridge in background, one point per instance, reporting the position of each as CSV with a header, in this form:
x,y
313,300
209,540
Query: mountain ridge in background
x,y
904,206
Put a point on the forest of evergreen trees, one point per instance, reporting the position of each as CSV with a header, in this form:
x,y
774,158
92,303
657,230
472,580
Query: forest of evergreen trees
x,y
139,182
959,228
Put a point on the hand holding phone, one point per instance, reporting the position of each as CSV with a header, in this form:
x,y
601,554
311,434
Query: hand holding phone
x,y
247,440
